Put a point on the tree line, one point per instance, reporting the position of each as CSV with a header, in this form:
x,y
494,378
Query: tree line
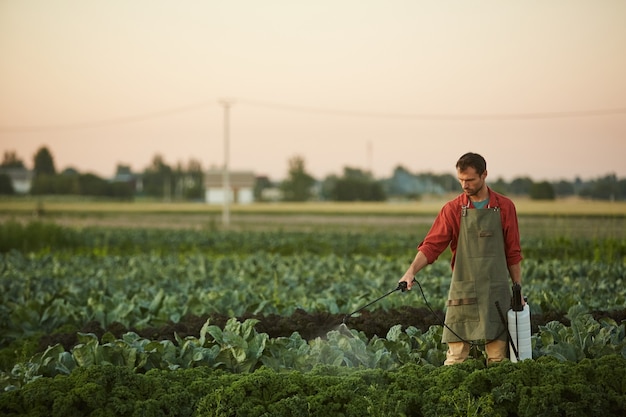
x,y
160,180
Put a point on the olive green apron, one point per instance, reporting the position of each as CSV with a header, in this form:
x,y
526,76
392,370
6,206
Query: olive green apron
x,y
479,279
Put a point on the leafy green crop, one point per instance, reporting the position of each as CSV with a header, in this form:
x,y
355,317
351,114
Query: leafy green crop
x,y
57,279
41,293
543,387
585,338
42,237
239,348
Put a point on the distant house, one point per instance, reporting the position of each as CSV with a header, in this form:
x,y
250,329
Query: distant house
x,y
21,178
404,183
241,187
124,174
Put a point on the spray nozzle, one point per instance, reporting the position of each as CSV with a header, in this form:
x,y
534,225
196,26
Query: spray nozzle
x,y
402,286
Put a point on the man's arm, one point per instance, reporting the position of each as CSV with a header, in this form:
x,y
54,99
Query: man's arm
x,y
516,273
439,236
418,263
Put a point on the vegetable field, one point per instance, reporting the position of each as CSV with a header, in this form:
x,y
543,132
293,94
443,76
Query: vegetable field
x,y
117,320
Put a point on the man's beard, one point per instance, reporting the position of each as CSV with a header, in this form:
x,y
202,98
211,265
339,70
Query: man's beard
x,y
471,193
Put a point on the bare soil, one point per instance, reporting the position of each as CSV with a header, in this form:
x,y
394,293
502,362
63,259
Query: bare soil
x,y
308,325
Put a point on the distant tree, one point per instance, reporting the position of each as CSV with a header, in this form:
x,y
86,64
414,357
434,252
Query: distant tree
x,y
541,191
44,162
157,179
6,185
261,183
68,182
578,185
121,190
521,186
564,188
42,185
178,181
327,186
194,181
356,185
93,185
55,184
351,189
604,188
70,171
10,160
621,189
500,186
47,181
298,185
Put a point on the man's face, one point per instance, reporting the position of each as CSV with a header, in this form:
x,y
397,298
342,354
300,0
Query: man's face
x,y
471,182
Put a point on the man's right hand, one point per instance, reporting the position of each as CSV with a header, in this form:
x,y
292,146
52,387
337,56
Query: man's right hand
x,y
409,279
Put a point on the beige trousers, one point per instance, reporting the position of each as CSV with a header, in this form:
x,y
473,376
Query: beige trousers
x,y
496,350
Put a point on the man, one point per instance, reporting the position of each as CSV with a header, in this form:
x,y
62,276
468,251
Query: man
x,y
480,226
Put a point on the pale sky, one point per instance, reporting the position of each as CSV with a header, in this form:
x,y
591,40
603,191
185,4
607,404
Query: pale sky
x,y
538,87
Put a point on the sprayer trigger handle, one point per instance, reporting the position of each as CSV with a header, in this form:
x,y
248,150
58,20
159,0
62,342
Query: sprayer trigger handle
x,y
402,286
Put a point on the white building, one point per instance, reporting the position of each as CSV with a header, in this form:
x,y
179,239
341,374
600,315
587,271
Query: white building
x,y
241,190
21,178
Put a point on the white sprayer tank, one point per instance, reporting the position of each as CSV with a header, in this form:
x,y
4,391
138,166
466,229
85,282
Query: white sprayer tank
x,y
519,329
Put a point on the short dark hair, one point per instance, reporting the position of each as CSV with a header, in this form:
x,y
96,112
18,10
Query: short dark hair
x,y
472,160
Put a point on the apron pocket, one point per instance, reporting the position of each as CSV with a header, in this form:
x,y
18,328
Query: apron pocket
x,y
462,304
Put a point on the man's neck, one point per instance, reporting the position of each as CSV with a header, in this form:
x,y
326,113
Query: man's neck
x,y
482,195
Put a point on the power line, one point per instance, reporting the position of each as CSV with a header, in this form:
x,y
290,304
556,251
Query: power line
x,y
438,116
108,122
321,111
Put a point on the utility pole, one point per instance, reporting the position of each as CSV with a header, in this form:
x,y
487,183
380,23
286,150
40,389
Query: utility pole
x,y
225,175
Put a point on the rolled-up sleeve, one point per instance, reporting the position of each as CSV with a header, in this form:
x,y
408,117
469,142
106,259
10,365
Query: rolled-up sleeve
x,y
442,233
512,246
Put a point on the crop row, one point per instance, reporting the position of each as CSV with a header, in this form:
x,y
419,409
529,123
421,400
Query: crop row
x,y
239,348
545,387
39,237
41,293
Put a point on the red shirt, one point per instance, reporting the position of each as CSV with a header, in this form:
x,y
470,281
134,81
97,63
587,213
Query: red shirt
x,y
445,230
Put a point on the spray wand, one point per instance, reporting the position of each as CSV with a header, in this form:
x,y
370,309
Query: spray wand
x,y
401,287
